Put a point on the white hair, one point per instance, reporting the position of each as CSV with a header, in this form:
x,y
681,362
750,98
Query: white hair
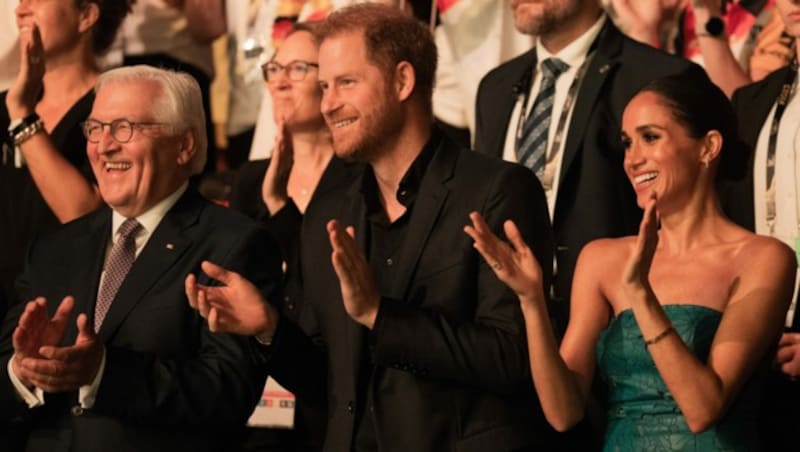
x,y
180,104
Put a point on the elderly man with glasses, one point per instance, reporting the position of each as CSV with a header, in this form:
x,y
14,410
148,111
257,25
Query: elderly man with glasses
x,y
108,355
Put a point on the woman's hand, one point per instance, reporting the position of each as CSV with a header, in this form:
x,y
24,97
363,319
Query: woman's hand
x,y
514,264
637,269
24,93
274,187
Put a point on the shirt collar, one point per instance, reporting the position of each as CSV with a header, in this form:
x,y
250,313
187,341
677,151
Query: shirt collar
x,y
411,181
153,216
574,53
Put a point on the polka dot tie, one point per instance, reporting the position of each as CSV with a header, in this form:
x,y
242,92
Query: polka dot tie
x,y
118,263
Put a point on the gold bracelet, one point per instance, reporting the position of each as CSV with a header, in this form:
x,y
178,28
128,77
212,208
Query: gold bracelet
x,y
660,336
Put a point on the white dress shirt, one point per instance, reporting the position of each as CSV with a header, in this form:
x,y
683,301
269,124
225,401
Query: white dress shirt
x,y
574,55
785,186
149,221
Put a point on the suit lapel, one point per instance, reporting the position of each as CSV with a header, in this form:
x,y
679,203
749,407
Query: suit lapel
x,y
165,246
92,241
519,81
354,214
430,198
606,58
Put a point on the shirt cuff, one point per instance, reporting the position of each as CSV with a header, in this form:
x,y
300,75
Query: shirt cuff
x,y
87,394
33,399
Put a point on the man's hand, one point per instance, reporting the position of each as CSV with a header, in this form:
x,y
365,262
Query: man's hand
x,y
60,369
36,330
359,294
234,307
788,356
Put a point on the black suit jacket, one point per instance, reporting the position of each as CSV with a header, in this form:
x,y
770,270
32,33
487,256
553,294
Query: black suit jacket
x,y
169,383
595,198
246,196
450,366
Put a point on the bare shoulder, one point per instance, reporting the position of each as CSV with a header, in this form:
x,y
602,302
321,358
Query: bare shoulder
x,y
602,252
759,250
598,260
764,263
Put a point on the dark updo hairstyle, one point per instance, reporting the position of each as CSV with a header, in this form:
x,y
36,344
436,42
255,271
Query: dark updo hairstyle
x,y
110,17
700,106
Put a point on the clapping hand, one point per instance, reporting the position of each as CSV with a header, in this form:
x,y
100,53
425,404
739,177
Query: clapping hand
x,y
60,369
276,179
788,356
514,263
236,306
359,293
36,329
23,94
637,268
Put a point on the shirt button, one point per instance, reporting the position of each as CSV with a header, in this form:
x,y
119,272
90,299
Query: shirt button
x,y
389,262
350,408
77,410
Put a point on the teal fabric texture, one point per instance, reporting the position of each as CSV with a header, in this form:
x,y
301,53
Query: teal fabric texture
x,y
642,414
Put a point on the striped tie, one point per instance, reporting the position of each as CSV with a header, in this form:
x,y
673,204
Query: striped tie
x,y
532,143
119,261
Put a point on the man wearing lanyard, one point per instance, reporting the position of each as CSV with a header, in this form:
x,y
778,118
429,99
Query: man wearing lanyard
x,y
767,200
557,109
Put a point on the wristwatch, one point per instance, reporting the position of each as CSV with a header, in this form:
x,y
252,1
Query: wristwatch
x,y
715,27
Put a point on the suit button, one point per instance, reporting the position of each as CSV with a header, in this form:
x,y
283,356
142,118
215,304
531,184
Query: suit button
x,y
77,410
350,408
389,262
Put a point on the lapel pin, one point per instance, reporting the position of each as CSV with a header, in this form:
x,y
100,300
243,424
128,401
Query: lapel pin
x,y
604,68
170,246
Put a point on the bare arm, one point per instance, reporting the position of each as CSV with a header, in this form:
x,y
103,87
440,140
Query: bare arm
x,y
751,323
562,379
718,60
68,194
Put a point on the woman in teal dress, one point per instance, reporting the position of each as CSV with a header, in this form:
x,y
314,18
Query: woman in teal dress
x,y
679,319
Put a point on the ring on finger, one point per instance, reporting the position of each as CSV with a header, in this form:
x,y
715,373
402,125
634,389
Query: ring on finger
x,y
497,266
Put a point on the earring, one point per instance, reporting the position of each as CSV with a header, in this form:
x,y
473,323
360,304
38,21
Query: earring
x,y
705,164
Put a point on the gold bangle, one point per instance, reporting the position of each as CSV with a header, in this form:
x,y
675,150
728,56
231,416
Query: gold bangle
x,y
660,336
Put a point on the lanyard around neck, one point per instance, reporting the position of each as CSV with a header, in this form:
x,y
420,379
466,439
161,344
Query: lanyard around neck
x,y
780,108
572,93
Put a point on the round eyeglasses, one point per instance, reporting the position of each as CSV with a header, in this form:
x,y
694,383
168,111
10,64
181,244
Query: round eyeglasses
x,y
296,70
121,129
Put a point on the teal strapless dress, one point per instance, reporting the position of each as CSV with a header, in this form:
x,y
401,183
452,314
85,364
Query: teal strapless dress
x,y
642,415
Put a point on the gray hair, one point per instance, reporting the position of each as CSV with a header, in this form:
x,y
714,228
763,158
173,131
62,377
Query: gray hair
x,y
179,105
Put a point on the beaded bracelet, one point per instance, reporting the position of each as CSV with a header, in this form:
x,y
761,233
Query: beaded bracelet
x,y
27,132
660,336
17,125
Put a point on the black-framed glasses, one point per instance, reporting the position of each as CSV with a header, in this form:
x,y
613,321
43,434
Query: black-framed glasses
x,y
121,129
296,70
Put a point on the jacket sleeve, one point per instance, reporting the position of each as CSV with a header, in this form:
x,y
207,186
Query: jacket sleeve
x,y
488,350
217,383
